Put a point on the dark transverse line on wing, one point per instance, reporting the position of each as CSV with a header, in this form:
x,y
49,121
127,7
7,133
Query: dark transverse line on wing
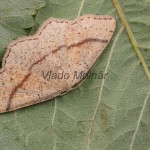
x,y
81,43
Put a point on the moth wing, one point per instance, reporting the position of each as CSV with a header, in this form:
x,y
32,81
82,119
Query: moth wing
x,y
22,82
27,50
23,73
86,38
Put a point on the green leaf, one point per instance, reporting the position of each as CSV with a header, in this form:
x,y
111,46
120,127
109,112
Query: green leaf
x,y
108,114
15,17
131,37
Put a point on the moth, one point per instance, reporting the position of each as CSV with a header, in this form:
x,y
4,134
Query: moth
x,y
58,46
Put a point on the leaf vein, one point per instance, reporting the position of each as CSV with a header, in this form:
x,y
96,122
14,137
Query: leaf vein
x,y
53,119
81,6
139,120
102,86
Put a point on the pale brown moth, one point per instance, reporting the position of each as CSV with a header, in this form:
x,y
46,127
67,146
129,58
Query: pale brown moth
x,y
58,46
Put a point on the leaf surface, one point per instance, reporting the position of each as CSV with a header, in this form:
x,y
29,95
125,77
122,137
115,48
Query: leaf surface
x,y
108,114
